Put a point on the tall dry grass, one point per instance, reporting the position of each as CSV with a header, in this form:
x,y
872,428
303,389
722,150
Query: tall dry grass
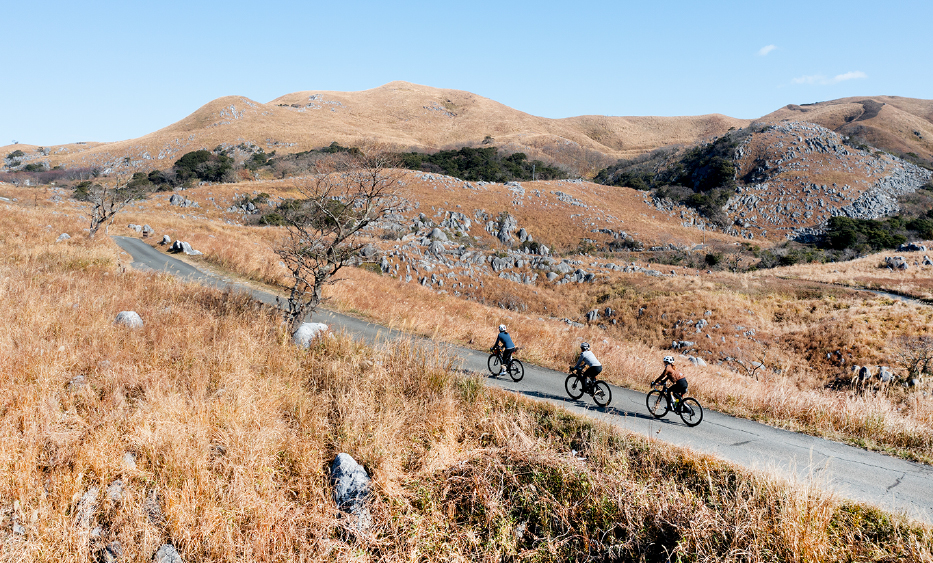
x,y
796,323
231,431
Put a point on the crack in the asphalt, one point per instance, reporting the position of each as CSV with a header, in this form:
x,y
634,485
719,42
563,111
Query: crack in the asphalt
x,y
897,481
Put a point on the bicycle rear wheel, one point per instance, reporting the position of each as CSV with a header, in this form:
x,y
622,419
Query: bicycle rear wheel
x,y
493,363
516,370
602,394
574,386
690,411
657,405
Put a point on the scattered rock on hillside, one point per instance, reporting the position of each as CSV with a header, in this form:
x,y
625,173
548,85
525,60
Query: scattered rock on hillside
x,y
115,491
507,224
129,319
181,201
368,251
911,247
63,236
437,234
167,554
351,489
895,263
129,461
166,240
137,228
307,332
153,509
84,512
180,246
112,553
77,383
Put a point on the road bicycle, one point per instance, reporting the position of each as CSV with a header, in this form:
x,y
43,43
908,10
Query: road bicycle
x,y
577,384
515,369
659,403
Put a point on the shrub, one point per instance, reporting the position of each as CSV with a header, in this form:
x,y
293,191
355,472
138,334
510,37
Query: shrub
x,y
203,165
481,164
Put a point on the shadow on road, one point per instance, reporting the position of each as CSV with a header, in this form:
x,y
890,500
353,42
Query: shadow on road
x,y
610,410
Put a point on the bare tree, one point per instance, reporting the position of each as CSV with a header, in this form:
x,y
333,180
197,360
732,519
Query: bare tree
x,y
915,355
323,229
107,198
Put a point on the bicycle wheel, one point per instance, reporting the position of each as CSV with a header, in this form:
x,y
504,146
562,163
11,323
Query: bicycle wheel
x,y
574,386
601,393
690,411
657,405
516,370
493,364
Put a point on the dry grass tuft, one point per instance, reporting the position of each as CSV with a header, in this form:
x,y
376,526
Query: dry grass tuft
x,y
231,432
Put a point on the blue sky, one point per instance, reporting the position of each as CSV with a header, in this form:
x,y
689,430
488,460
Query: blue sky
x,y
107,71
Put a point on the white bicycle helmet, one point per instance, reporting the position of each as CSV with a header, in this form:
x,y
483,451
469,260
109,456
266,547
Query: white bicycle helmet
x,y
584,346
502,328
669,360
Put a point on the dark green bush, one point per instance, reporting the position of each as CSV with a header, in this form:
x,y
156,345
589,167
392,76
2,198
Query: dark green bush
x,y
486,164
203,165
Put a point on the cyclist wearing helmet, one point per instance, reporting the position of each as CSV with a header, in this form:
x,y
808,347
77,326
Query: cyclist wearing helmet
x,y
588,359
678,380
505,341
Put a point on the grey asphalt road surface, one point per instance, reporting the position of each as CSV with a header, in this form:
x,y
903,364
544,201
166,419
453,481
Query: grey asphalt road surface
x,y
890,483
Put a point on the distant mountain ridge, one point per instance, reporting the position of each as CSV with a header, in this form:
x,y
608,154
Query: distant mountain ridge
x,y
405,116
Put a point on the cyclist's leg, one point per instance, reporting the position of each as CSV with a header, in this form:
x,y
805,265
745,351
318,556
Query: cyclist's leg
x,y
590,374
679,389
506,360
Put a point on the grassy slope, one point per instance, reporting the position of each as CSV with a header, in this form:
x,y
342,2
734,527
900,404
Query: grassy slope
x,y
232,431
796,322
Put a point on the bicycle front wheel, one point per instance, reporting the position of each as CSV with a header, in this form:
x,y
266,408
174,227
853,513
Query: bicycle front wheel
x,y
657,405
516,370
691,412
602,395
493,364
574,386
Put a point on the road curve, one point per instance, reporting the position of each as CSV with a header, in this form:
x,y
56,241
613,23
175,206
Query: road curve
x,y
890,483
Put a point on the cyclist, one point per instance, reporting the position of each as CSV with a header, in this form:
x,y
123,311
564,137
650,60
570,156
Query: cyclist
x,y
505,341
593,367
678,381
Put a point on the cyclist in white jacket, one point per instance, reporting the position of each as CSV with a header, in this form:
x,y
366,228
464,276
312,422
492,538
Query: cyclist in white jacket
x,y
588,360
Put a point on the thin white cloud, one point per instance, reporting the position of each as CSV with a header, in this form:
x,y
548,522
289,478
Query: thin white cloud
x,y
766,49
824,81
849,76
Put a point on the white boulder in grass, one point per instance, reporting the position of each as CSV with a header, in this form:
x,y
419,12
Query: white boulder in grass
x,y
308,332
129,319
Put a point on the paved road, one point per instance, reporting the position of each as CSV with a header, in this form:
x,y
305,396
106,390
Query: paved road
x,y
891,483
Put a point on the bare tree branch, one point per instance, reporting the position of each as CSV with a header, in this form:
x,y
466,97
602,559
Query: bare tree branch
x,y
323,229
108,198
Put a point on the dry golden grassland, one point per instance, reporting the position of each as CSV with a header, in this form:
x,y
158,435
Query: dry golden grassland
x,y
795,322
232,430
869,272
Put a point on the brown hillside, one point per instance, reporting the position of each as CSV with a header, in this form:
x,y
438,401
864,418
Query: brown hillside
x,y
405,115
889,122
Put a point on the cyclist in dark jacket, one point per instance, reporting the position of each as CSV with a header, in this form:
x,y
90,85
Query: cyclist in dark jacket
x,y
505,342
